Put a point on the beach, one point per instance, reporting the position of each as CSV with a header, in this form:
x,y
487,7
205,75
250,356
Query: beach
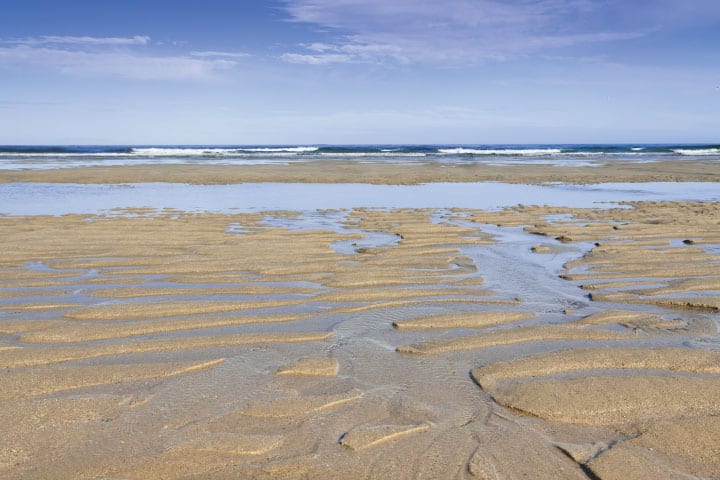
x,y
319,319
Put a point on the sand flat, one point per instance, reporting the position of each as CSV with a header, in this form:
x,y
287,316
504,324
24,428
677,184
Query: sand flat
x,y
62,332
290,407
230,444
673,359
370,295
312,366
135,292
360,438
20,384
389,174
497,457
27,356
509,337
463,320
169,309
595,400
279,405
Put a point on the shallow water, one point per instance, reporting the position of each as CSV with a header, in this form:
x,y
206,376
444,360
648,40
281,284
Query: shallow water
x,y
61,199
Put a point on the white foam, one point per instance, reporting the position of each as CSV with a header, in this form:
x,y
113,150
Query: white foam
x,y
180,152
184,152
477,151
698,151
280,149
371,154
608,154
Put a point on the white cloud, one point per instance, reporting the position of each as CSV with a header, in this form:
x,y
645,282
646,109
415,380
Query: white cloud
x,y
449,31
112,63
216,54
87,41
322,59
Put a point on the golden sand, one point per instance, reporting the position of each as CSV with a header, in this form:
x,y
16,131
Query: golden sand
x,y
288,407
511,336
498,455
598,400
673,359
314,366
61,332
467,320
311,385
30,356
230,444
135,292
20,384
364,437
136,311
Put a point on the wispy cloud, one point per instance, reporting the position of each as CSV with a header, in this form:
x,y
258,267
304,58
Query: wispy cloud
x,y
70,40
322,59
450,32
216,54
111,56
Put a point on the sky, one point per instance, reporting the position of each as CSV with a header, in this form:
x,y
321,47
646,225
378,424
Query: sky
x,y
138,72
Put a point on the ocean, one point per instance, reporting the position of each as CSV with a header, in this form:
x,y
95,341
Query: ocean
x,y
18,157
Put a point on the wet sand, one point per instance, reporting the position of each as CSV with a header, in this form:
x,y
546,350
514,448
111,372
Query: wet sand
x,y
383,174
151,345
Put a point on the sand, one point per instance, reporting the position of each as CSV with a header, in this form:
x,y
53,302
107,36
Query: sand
x,y
64,333
289,407
230,444
477,320
30,356
613,400
313,366
511,336
152,345
497,457
16,385
391,174
365,437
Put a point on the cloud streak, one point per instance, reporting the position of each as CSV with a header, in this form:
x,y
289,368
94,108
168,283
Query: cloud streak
x,y
447,32
86,41
216,54
122,57
112,63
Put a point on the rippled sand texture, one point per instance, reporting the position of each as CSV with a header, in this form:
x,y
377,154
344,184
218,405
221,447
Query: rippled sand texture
x,y
166,345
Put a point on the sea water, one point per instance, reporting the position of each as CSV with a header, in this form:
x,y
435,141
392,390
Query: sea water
x,y
51,157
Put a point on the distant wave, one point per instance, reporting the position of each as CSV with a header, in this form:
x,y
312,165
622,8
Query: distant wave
x,y
479,151
177,152
372,154
17,157
281,149
697,151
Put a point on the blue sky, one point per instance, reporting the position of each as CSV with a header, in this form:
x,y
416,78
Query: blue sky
x,y
359,71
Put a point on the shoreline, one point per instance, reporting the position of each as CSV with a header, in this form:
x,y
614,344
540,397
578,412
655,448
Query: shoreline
x,y
328,171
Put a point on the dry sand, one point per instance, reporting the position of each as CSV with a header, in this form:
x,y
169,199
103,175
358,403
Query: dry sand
x,y
162,346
